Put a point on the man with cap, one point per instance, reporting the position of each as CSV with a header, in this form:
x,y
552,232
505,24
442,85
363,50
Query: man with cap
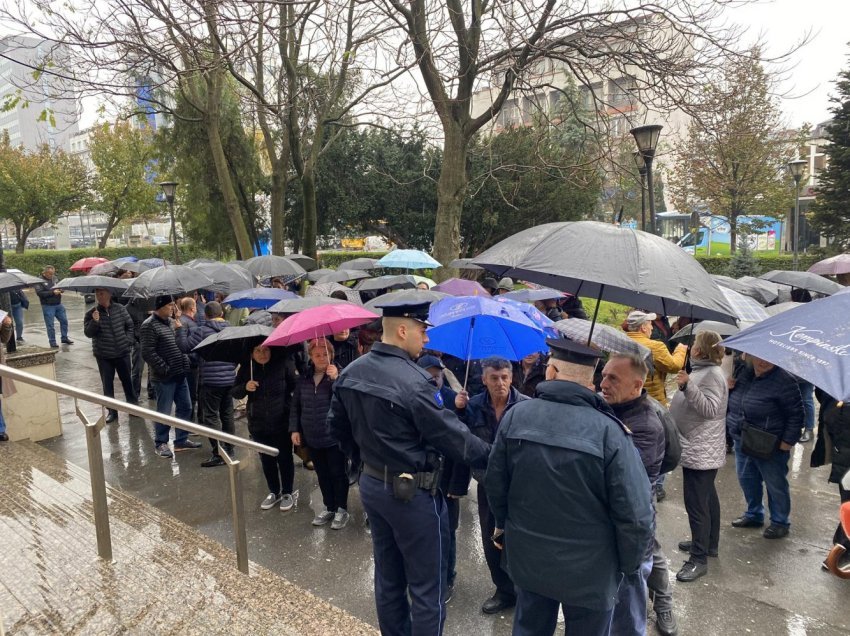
x,y
639,328
571,500
168,367
388,410
490,284
505,285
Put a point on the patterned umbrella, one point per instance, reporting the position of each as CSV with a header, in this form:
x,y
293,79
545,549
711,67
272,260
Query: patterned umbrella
x,y
746,309
605,338
326,289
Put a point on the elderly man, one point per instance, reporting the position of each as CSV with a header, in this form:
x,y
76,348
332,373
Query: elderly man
x,y
571,500
111,330
623,388
639,328
482,414
52,307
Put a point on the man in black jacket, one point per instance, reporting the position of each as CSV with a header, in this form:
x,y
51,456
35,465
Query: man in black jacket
x,y
52,307
168,368
111,329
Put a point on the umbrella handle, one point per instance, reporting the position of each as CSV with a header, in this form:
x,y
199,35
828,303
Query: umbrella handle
x,y
690,341
469,352
595,314
251,367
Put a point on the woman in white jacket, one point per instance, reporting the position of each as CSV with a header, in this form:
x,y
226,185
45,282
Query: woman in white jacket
x,y
699,409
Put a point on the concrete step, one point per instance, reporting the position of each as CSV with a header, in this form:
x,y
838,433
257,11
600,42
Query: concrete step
x,y
165,578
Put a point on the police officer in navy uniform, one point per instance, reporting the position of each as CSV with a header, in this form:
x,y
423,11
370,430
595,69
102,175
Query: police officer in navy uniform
x,y
389,410
571,500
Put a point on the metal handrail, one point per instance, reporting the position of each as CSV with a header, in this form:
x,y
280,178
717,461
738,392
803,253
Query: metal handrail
x,y
95,456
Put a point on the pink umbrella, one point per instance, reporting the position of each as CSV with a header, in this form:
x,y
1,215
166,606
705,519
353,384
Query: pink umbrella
x,y
832,266
85,264
319,321
461,287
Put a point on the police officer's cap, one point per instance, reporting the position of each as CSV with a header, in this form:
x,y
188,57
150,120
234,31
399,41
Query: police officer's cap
x,y
402,309
570,351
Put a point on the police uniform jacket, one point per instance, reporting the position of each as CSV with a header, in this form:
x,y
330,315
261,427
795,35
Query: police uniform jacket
x,y
389,408
566,484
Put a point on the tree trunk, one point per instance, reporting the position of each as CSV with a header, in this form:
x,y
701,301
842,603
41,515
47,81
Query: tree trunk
x,y
733,233
109,227
451,191
310,227
278,201
23,235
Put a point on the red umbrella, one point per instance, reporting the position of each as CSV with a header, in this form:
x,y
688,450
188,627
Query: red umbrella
x,y
85,264
323,320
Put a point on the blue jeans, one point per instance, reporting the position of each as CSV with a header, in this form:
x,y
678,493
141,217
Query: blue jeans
x,y
754,474
174,391
18,318
630,611
537,615
2,422
55,311
807,391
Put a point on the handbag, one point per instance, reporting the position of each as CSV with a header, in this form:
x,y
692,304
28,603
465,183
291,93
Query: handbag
x,y
757,442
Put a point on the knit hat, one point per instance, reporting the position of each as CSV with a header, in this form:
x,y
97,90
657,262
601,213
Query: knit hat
x,y
162,301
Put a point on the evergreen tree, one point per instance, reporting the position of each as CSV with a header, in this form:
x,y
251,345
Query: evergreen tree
x,y
743,261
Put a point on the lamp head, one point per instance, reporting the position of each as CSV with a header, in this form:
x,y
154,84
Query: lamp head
x,y
646,138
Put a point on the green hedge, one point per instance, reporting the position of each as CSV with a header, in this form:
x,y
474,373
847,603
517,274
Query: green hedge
x,y
720,264
332,259
32,261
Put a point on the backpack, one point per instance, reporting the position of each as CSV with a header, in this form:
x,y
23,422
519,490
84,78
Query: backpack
x,y
672,445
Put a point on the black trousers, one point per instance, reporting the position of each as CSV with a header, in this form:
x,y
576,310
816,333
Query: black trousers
x,y
137,364
839,537
108,367
703,508
194,394
216,410
492,554
331,469
279,471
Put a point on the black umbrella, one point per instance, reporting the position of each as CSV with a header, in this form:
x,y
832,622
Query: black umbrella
x,y
362,263
11,281
386,282
767,291
233,344
172,280
464,263
412,296
271,266
343,275
88,284
294,305
316,274
684,335
603,261
306,262
227,279
803,280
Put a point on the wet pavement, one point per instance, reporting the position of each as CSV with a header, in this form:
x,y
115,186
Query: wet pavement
x,y
756,586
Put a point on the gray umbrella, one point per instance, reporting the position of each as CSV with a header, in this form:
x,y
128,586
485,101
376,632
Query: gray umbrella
x,y
803,280
343,275
768,292
464,263
386,282
294,305
772,310
683,336
259,317
304,261
326,289
412,296
741,287
227,279
11,281
316,274
603,261
270,266
362,263
172,280
199,261
88,284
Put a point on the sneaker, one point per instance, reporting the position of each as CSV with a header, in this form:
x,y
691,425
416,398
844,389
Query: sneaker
x,y
691,571
213,461
163,451
67,341
323,518
666,624
806,436
4,437
185,445
660,494
287,501
340,519
450,592
269,502
21,340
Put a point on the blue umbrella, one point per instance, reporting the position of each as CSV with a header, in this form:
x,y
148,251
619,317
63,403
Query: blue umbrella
x,y
473,327
408,259
811,341
543,322
258,297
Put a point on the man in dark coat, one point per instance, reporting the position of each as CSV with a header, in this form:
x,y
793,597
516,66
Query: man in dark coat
x,y
389,409
169,367
622,387
111,329
571,500
52,307
482,414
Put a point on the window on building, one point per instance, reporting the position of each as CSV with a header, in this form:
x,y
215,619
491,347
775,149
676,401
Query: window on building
x,y
589,95
621,91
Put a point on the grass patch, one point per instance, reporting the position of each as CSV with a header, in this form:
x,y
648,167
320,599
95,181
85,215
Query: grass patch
x,y
612,314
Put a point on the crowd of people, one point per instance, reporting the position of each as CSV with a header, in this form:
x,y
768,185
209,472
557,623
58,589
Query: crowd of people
x,y
568,447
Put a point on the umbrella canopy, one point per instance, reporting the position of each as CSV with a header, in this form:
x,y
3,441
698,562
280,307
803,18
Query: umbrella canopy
x,y
408,259
11,281
173,280
475,327
260,317
541,320
531,295
294,305
385,282
767,292
319,321
461,287
200,261
599,260
233,344
803,280
362,263
227,279
811,341
258,297
128,263
326,289
773,310
683,336
742,287
85,264
422,279
343,275
154,262
316,274
88,284
308,263
406,296
605,338
746,309
270,266
832,266
464,263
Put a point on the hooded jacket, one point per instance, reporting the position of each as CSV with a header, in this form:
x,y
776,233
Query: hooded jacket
x,y
663,361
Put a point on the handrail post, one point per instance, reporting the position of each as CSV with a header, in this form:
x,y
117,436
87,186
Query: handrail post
x,y
234,467
98,482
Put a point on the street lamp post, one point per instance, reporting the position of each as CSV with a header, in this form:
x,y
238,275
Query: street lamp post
x,y
640,164
797,168
168,189
646,138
